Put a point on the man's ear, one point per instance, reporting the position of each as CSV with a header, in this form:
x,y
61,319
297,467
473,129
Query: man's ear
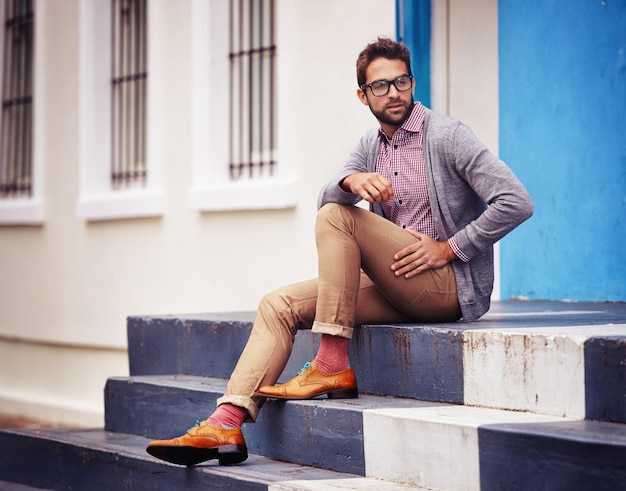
x,y
362,96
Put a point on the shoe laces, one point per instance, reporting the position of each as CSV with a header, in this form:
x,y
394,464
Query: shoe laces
x,y
306,366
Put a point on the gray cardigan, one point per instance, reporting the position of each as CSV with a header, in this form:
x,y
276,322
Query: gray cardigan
x,y
473,195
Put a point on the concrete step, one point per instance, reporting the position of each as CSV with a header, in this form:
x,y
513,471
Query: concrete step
x,y
422,362
323,433
417,443
97,460
563,359
12,486
461,448
572,371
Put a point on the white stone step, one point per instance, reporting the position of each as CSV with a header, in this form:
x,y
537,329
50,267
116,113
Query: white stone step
x,y
539,369
360,483
461,448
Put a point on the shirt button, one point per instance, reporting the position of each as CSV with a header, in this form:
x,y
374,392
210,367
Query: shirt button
x,y
400,201
403,226
395,173
396,147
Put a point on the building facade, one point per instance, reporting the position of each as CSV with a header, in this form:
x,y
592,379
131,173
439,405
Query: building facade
x,y
170,155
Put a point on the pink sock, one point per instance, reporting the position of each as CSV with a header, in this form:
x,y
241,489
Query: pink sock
x,y
332,355
228,416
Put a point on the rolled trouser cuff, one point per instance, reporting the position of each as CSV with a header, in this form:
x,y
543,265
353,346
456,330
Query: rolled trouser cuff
x,y
332,329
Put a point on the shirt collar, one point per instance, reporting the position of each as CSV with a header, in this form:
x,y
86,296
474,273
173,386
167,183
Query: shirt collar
x,y
415,122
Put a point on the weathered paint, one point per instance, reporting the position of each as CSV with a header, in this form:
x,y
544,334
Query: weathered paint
x,y
434,447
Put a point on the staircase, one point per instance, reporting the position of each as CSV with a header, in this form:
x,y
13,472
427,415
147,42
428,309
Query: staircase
x,y
531,397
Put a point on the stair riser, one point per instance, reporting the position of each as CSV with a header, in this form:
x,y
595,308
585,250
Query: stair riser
x,y
309,434
544,371
570,376
605,378
162,346
528,372
153,411
328,438
409,361
397,361
95,460
424,454
541,463
200,347
54,465
475,449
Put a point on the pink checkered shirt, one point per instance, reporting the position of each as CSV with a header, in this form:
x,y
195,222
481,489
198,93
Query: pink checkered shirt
x,y
401,162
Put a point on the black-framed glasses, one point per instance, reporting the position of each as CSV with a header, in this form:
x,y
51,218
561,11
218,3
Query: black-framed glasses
x,y
381,87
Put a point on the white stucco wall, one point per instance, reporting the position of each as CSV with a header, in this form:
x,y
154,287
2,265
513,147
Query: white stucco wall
x,y
68,284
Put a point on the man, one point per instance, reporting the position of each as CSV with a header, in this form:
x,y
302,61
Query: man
x,y
439,200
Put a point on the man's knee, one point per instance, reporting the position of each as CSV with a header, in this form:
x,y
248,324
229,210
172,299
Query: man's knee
x,y
290,307
271,304
333,214
275,309
329,209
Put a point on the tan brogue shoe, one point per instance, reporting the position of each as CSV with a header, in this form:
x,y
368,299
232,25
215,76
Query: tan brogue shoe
x,y
311,382
202,442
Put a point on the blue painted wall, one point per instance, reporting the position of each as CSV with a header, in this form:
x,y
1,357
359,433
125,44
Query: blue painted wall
x,y
562,69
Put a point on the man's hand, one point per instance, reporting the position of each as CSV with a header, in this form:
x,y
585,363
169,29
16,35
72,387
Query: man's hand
x,y
426,253
370,186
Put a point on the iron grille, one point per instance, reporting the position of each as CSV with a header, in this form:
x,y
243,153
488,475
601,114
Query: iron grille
x,y
252,83
17,100
129,77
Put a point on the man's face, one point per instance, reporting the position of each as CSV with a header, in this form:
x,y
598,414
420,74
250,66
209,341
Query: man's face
x,y
393,108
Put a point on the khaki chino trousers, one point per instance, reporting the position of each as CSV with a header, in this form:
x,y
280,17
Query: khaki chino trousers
x,y
355,286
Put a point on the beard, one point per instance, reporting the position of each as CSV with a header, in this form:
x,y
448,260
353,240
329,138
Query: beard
x,y
393,119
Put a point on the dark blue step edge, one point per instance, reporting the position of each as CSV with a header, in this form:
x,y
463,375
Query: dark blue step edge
x,y
97,460
13,486
207,345
605,379
423,362
323,433
556,456
410,361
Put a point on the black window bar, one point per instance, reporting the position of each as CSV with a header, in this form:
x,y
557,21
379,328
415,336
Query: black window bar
x,y
17,100
128,82
252,85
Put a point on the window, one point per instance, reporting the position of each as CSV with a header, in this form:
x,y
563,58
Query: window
x,y
252,96
128,67
17,77
21,120
119,175
235,74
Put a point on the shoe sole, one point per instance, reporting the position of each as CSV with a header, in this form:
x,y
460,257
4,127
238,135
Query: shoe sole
x,y
190,456
331,394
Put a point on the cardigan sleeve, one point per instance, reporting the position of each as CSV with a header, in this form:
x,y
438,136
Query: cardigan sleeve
x,y
508,203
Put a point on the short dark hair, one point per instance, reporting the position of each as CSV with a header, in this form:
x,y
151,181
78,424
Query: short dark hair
x,y
382,48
